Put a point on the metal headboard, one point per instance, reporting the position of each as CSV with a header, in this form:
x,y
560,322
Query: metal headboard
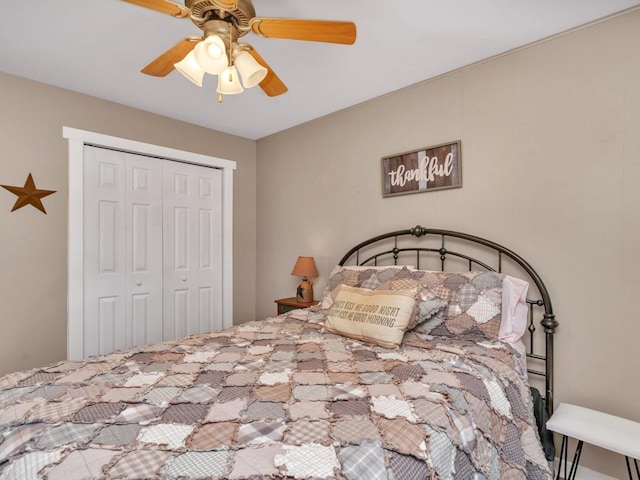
x,y
390,248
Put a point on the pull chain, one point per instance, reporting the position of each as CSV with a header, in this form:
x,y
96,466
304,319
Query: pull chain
x,y
229,57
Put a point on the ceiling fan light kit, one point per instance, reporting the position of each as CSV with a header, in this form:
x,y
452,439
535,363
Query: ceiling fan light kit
x,y
250,70
190,68
211,55
218,52
229,83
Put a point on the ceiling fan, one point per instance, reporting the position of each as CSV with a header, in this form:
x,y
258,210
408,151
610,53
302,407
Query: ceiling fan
x,y
218,52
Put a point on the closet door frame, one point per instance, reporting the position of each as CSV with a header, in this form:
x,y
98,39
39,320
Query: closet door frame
x,y
75,268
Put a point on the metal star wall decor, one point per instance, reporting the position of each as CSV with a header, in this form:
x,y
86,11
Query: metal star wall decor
x,y
28,195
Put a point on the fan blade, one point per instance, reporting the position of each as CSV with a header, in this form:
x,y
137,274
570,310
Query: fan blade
x,y
271,85
163,65
163,6
310,30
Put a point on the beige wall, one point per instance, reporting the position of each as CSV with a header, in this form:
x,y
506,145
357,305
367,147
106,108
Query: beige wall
x,y
550,152
33,246
551,167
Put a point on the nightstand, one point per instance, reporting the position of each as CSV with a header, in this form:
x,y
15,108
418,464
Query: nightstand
x,y
285,305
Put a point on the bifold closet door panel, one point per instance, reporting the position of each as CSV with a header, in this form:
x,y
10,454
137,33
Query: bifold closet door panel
x,y
144,249
123,250
192,249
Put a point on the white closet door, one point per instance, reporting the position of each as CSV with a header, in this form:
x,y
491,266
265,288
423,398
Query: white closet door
x,y
192,249
123,250
144,249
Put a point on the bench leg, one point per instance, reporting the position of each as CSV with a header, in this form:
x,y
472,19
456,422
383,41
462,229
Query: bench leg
x,y
564,453
635,462
562,456
576,461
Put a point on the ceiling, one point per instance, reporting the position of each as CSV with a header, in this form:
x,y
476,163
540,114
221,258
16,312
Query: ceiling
x,y
98,47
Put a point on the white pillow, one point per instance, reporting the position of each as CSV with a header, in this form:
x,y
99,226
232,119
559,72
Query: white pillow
x,y
515,312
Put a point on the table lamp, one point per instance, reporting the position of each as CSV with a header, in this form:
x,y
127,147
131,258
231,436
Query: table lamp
x,y
305,267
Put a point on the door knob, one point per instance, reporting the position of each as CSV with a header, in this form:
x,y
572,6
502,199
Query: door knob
x,y
184,279
139,283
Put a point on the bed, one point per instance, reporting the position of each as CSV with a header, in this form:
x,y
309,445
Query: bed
x,y
308,395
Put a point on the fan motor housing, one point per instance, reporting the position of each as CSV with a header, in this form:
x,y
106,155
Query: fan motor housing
x,y
204,10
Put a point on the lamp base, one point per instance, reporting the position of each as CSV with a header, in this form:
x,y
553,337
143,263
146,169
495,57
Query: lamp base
x,y
304,293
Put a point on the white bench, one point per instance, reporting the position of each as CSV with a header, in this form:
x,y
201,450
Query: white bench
x,y
596,428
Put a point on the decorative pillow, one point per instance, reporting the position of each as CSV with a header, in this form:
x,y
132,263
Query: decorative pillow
x,y
429,304
358,275
474,303
374,316
373,278
394,277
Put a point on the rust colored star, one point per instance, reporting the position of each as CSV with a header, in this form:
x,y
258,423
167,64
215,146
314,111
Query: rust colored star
x,y
28,195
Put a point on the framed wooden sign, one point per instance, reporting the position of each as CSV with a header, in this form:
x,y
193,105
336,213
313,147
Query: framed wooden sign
x,y
424,170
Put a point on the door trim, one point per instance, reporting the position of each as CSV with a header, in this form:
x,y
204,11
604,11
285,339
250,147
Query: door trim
x,y
75,266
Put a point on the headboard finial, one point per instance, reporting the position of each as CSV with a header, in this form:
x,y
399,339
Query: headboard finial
x,y
549,323
418,231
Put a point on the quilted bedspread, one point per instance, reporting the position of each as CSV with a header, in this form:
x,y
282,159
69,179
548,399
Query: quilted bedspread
x,y
277,398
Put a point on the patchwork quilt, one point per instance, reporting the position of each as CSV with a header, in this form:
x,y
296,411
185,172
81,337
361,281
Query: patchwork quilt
x,y
278,398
